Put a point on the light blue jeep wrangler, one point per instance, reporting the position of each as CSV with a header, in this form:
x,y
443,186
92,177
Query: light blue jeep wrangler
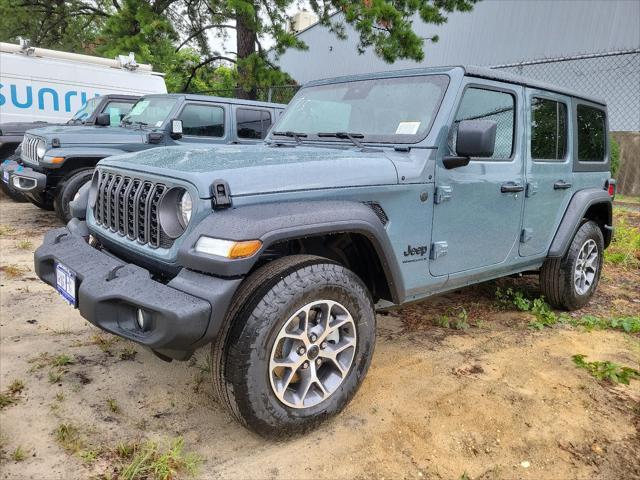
x,y
371,191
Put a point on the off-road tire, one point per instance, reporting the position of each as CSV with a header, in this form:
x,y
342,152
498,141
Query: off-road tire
x,y
263,303
557,274
67,189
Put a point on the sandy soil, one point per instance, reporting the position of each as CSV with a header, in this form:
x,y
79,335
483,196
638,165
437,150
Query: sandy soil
x,y
437,402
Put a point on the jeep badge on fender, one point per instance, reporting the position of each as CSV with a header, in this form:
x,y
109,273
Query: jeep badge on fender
x,y
281,274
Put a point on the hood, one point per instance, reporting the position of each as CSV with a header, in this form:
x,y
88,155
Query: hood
x,y
257,169
78,135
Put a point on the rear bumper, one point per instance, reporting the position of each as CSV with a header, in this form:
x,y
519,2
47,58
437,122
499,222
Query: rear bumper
x,y
184,314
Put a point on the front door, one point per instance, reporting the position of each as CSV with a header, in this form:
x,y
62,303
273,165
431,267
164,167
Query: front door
x,y
548,168
476,221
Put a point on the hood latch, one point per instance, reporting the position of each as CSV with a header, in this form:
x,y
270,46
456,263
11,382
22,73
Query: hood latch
x,y
220,195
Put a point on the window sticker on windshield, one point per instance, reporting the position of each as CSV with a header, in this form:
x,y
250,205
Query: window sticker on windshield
x,y
159,123
407,128
139,107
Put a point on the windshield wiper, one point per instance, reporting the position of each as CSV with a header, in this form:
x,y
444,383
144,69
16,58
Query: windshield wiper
x,y
295,135
346,135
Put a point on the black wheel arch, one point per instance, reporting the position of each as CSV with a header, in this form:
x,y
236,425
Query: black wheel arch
x,y
587,204
312,227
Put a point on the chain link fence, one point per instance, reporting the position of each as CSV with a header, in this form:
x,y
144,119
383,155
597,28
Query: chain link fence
x,y
613,76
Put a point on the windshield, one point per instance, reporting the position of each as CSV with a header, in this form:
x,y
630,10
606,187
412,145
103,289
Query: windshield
x,y
395,110
86,111
150,111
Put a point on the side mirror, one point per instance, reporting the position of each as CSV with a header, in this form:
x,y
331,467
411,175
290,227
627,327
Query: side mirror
x,y
176,129
103,120
476,138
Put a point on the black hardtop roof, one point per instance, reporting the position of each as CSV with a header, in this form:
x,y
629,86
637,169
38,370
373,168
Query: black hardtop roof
x,y
120,95
210,98
470,71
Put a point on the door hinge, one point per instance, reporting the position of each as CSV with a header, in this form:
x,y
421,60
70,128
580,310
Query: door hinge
x,y
526,235
532,189
438,249
220,195
442,193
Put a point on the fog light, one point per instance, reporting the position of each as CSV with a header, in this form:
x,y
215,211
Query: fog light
x,y
143,320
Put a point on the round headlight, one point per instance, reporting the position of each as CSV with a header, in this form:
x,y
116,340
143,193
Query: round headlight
x,y
41,149
185,207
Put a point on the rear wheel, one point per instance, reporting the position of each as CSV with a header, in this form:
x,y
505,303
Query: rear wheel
x,y
68,189
298,342
569,282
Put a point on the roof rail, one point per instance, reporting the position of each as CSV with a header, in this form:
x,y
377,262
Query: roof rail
x,y
127,62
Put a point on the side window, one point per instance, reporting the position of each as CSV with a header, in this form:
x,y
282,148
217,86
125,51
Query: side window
x,y
202,120
481,104
116,111
253,124
548,129
592,136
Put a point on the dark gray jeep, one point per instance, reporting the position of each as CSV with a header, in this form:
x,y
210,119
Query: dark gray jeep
x,y
56,161
372,191
99,110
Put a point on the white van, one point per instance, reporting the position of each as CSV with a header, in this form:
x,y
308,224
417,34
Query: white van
x,y
37,84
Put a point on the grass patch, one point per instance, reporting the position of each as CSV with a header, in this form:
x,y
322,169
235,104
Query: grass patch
x,y
150,461
59,397
625,246
24,244
18,454
628,199
128,353
16,387
13,271
6,230
113,405
68,437
104,342
607,371
55,376
62,360
10,396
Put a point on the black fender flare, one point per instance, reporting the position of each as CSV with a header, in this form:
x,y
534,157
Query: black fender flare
x,y
272,223
581,201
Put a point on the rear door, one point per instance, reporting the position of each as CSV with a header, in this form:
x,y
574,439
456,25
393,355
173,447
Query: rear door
x,y
548,168
476,221
252,123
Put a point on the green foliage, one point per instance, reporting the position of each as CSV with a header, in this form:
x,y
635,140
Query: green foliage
x,y
456,321
625,324
607,371
174,35
614,155
68,437
18,454
544,316
625,246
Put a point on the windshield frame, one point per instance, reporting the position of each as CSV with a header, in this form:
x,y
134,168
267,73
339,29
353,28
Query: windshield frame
x,y
393,139
170,113
97,100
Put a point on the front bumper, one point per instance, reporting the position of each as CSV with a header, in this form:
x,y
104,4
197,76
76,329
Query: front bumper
x,y
184,314
25,179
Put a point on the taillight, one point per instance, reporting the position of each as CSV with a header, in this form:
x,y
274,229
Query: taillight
x,y
610,186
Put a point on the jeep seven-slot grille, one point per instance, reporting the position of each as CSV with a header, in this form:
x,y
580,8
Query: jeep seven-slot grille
x,y
30,148
129,206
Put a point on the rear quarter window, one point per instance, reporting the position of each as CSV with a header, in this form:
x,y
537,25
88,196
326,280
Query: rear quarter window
x,y
592,133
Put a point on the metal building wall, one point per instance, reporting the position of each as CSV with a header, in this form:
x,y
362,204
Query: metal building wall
x,y
496,32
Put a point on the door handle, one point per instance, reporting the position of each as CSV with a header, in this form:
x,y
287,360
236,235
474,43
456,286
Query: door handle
x,y
561,185
511,187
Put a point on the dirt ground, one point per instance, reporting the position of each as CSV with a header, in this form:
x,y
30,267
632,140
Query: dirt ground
x,y
497,400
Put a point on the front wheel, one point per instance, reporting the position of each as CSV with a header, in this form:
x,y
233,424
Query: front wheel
x,y
569,282
68,189
299,341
